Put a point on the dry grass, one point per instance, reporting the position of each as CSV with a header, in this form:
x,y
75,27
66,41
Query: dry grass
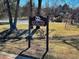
x,y
56,29
60,30
58,49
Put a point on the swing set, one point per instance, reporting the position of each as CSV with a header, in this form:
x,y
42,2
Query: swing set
x,y
37,21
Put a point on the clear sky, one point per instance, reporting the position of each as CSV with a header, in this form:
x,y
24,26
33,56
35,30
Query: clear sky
x,y
72,3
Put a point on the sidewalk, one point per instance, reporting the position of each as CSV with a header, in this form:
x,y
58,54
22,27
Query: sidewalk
x,y
4,55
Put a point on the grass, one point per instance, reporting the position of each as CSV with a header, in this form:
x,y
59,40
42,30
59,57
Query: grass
x,y
60,30
56,29
58,49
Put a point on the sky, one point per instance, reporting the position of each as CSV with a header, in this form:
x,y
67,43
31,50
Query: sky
x,y
71,3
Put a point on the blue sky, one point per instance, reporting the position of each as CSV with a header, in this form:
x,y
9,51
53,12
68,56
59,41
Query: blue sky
x,y
72,3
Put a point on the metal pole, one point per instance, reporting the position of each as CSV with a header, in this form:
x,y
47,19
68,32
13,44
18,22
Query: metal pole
x,y
29,39
47,28
47,38
47,31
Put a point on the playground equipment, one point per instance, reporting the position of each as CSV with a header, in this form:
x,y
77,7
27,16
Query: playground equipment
x,y
37,21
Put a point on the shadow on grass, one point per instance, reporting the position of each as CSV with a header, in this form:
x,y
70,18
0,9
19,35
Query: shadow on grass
x,y
74,43
8,35
4,23
22,56
50,57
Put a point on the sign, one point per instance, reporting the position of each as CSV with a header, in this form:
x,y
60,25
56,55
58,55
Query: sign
x,y
38,21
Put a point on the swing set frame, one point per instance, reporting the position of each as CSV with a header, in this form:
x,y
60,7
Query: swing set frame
x,y
30,20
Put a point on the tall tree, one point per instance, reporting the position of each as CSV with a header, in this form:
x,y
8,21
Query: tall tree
x,y
9,13
26,10
12,11
16,14
39,6
66,8
1,8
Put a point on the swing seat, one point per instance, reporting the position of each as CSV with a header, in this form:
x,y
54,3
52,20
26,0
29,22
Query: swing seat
x,y
39,21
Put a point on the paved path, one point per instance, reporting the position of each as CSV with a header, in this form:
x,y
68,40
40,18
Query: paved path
x,y
18,21
4,55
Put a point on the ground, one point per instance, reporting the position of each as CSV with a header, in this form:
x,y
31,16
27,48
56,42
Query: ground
x,y
59,49
56,29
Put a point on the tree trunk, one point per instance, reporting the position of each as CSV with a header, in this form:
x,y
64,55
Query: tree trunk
x,y
39,7
16,15
9,13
